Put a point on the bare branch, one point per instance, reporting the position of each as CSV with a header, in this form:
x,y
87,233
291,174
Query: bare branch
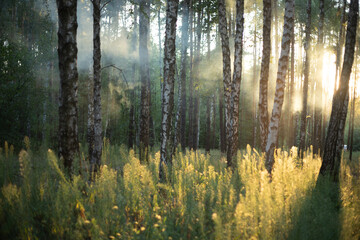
x,y
122,72
105,5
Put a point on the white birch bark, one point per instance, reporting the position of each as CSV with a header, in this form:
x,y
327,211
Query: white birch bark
x,y
68,110
226,77
168,86
235,92
264,74
280,84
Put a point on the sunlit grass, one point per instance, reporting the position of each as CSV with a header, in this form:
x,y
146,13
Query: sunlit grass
x,y
203,199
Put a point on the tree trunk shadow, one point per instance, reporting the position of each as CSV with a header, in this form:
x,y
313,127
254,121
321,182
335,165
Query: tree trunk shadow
x,y
318,215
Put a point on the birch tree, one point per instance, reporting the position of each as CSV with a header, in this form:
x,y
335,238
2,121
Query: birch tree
x,y
208,125
254,75
292,127
68,110
167,104
335,133
131,133
222,121
226,77
184,48
303,118
231,87
95,158
222,134
208,140
280,84
264,74
191,82
176,131
235,91
90,114
196,73
144,27
213,121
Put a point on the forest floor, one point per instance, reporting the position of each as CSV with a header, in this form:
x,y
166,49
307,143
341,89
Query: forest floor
x,y
202,200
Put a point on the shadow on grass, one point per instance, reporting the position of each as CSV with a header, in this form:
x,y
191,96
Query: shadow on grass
x,y
318,215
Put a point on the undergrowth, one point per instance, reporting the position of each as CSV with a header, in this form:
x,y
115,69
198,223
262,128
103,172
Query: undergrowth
x,y
203,199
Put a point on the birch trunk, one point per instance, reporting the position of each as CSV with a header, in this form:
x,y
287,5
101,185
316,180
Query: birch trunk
x,y
303,120
264,75
144,26
254,81
90,114
221,122
68,110
131,133
160,50
292,128
196,119
191,83
177,129
335,134
196,103
209,106
276,28
213,122
95,159
226,77
208,125
280,84
168,86
235,92
184,48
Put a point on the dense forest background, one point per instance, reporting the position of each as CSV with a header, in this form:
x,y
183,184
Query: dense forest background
x,y
30,75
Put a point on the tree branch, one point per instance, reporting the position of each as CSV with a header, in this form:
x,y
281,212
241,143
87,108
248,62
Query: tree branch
x,y
122,72
105,4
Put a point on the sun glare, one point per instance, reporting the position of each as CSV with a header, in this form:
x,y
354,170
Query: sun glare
x,y
329,73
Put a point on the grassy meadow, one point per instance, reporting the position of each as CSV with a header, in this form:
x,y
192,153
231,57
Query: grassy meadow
x,y
202,200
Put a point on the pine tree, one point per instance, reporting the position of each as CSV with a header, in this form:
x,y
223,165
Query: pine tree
x,y
335,133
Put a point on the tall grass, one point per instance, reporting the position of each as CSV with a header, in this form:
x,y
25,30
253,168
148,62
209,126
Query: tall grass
x,y
203,199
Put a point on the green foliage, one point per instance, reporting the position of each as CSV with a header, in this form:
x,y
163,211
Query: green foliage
x,y
203,199
15,85
27,53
